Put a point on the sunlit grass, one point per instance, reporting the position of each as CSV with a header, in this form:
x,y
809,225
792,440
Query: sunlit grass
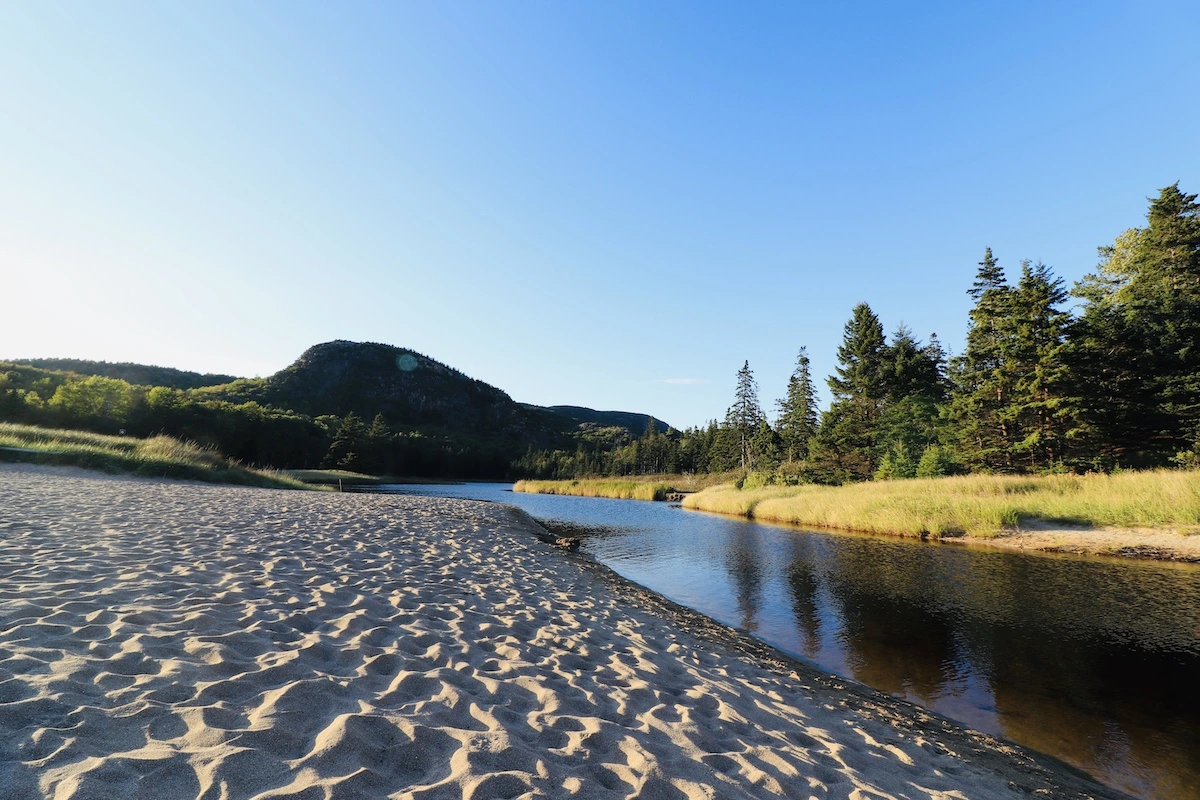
x,y
975,505
157,456
618,489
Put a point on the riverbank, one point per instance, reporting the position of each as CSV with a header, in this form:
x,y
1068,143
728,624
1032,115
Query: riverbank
x,y
1142,514
200,640
156,456
640,487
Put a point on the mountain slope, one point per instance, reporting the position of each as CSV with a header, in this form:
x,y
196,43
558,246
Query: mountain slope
x,y
139,374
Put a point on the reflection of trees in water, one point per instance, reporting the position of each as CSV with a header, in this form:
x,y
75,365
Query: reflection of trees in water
x,y
744,564
1091,661
895,641
803,589
1131,718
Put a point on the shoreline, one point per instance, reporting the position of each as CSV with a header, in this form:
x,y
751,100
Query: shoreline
x,y
247,640
1139,544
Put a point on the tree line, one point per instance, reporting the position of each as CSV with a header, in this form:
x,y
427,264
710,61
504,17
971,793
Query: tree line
x,y
253,433
1112,383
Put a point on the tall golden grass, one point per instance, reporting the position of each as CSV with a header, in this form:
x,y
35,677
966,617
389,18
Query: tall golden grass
x,y
634,487
156,456
975,505
598,487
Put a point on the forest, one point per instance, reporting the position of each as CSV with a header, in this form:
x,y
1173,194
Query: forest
x,y
1101,377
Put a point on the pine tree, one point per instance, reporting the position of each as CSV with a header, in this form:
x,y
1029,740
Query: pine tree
x,y
743,416
982,375
846,439
377,450
911,417
1042,408
797,422
346,448
1136,348
765,445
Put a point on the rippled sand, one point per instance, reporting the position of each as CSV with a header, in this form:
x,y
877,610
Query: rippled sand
x,y
169,640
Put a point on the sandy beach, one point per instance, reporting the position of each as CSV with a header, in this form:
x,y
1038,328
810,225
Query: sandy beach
x,y
170,640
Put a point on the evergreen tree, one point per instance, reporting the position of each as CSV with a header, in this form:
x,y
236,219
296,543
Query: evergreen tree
x,y
797,422
766,447
345,451
1137,346
847,436
862,365
982,375
1042,409
744,415
911,417
377,447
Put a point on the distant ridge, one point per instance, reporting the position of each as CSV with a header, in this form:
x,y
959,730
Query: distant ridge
x,y
635,423
140,374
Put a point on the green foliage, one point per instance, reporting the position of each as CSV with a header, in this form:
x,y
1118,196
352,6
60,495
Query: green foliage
x,y
94,399
348,446
744,416
936,462
798,418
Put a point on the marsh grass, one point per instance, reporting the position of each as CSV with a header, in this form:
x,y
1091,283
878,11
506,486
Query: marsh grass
x,y
157,456
599,487
974,505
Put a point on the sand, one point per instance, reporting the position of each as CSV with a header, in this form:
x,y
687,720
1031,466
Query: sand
x,y
1159,544
170,640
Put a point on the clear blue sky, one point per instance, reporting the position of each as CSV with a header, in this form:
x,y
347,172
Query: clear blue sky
x,y
609,204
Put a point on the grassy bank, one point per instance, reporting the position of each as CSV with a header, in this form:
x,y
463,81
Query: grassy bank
x,y
615,488
157,456
640,487
974,505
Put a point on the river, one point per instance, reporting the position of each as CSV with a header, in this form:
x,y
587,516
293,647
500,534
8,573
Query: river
x,y
1095,661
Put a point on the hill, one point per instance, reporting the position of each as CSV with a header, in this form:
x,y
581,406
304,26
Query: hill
x,y
139,374
634,423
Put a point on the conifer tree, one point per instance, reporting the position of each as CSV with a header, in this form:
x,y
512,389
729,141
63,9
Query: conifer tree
x,y
346,449
377,446
846,439
744,415
982,375
797,422
1136,349
1042,408
916,390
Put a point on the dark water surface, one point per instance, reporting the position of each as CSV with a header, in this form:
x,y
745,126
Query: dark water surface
x,y
1094,661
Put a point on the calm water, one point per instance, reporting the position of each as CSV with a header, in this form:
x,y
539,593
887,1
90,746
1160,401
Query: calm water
x,y
1094,661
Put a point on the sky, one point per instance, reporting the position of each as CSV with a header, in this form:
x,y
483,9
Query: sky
x,y
607,204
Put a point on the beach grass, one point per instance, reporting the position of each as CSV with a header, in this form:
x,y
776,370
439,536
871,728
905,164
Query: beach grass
x,y
640,487
157,456
973,505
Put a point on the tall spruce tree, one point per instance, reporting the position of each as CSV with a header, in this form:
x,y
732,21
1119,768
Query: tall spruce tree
x,y
1136,349
744,415
1043,409
797,422
347,447
982,375
846,439
916,388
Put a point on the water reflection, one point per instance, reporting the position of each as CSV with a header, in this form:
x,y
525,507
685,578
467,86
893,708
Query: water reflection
x,y
1093,661
743,562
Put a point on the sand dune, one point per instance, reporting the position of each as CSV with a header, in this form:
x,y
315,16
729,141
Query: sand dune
x,y
168,640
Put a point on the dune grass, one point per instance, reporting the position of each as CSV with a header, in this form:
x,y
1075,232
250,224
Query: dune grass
x,y
973,505
157,456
